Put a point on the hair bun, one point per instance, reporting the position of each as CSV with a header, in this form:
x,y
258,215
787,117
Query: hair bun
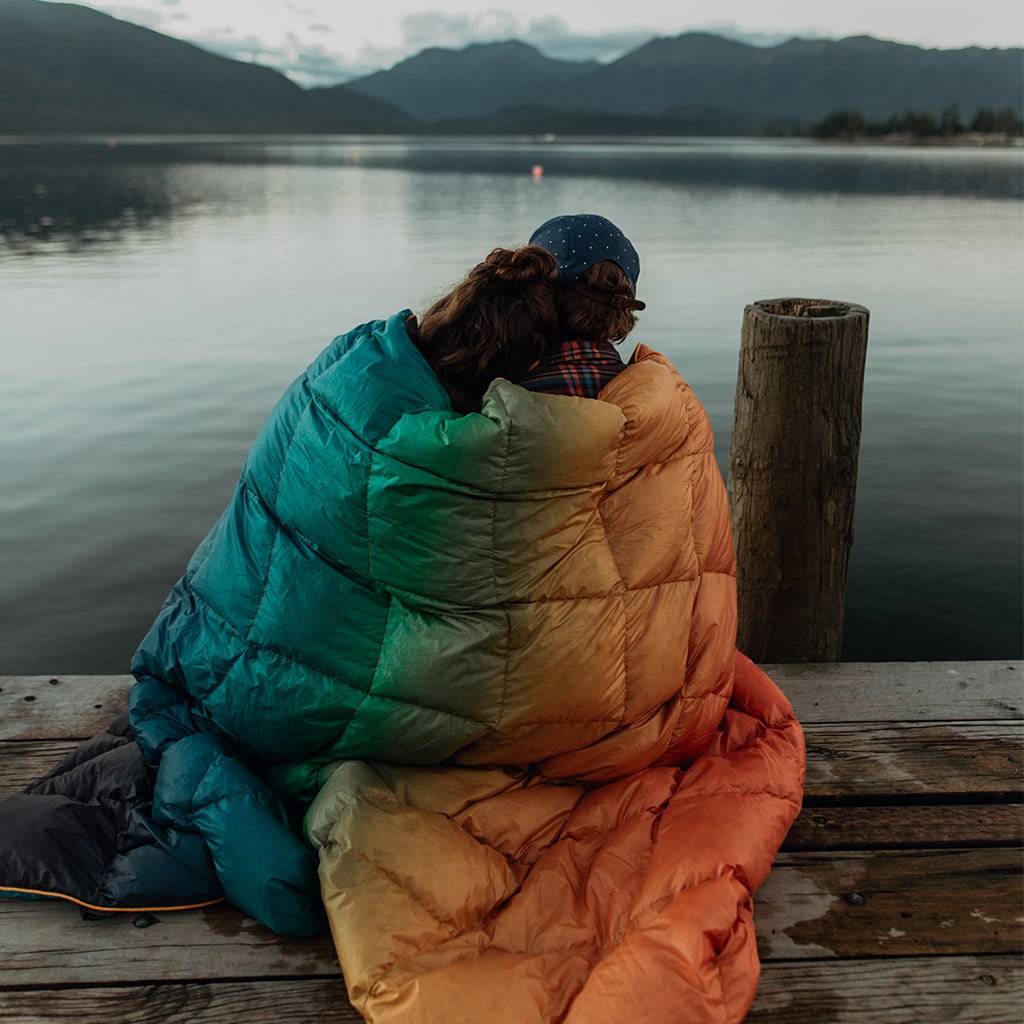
x,y
529,264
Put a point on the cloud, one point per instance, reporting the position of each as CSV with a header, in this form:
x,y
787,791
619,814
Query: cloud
x,y
305,63
227,42
730,30
438,28
305,55
138,15
312,63
551,34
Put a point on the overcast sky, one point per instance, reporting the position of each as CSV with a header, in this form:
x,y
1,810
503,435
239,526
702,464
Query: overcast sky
x,y
330,40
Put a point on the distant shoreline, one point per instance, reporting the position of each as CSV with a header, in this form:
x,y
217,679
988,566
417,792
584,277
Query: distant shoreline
x,y
966,140
969,140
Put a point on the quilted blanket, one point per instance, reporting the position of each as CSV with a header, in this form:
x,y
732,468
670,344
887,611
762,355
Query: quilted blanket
x,y
466,684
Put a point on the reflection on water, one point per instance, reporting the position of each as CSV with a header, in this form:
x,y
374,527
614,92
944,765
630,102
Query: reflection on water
x,y
73,205
156,299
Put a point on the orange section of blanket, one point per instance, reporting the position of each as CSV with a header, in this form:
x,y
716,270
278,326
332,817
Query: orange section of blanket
x,y
465,895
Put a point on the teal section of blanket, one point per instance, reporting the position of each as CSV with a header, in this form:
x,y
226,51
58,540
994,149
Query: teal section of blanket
x,y
268,661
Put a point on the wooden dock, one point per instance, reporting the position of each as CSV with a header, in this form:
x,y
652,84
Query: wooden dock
x,y
897,898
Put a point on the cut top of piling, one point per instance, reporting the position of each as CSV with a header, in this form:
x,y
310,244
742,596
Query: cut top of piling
x,y
803,309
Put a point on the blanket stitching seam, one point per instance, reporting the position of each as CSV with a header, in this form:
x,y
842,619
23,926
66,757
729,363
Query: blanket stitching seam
x,y
277,652
391,877
321,403
338,563
622,583
258,604
600,948
494,573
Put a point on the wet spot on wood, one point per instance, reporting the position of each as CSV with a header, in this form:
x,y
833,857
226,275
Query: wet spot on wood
x,y
966,888
223,921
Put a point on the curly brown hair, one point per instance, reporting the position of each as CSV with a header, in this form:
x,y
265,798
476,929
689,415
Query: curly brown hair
x,y
601,307
497,322
509,311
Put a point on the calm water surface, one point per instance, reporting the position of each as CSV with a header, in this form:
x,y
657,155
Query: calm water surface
x,y
155,300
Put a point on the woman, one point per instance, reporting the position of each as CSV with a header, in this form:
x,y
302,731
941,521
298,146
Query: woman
x,y
486,657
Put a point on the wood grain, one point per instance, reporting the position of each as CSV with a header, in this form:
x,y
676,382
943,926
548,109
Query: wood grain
x,y
913,990
20,763
907,826
310,1001
907,903
42,941
891,903
960,759
939,990
59,707
793,473
909,691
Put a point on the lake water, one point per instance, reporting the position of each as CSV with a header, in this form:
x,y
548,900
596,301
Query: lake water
x,y
155,300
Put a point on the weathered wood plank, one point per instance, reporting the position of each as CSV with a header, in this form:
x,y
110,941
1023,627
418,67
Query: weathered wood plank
x,y
914,903
310,1001
42,941
844,762
907,826
20,763
912,990
59,707
903,691
939,990
892,903
864,760
846,692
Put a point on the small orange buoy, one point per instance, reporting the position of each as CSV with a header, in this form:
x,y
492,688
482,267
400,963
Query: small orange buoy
x,y
537,171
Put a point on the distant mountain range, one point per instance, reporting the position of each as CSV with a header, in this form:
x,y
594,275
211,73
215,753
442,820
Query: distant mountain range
x,y
477,81
799,80
66,68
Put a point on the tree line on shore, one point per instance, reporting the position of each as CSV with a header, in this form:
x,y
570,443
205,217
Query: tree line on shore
x,y
851,124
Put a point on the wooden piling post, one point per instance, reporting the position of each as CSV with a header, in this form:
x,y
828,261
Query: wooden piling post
x,y
793,474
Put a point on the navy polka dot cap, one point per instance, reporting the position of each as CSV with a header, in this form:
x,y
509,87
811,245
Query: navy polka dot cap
x,y
577,240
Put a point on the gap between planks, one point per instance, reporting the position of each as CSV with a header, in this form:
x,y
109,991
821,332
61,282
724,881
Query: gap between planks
x,y
850,826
